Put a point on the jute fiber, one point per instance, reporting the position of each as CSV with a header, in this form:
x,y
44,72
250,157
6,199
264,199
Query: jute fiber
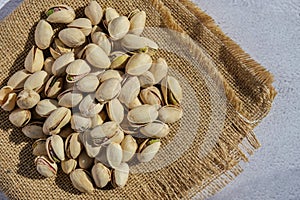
x,y
226,94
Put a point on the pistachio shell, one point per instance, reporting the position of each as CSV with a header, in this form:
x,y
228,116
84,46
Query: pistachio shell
x,y
171,90
101,175
55,148
36,81
80,123
118,27
43,34
82,181
72,37
156,129
82,24
110,14
120,175
129,147
148,149
60,14
85,162
99,119
151,96
60,64
76,70
136,102
68,165
108,74
4,92
108,90
119,60
137,23
96,56
34,130
88,83
102,41
10,102
39,148
17,80
57,119
58,48
114,154
142,115
94,12
115,110
20,117
131,42
138,64
34,60
73,146
45,107
146,79
48,65
45,167
130,90
170,114
69,98
159,69
88,107
53,86
92,148
27,99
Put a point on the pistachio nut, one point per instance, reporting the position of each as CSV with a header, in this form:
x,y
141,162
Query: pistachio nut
x,y
43,34
118,60
114,154
4,92
159,69
17,80
76,70
137,22
110,14
84,161
88,84
100,39
36,81
120,175
142,115
88,107
53,86
83,24
66,131
92,149
151,96
96,56
34,130
20,117
99,119
108,74
57,119
129,147
118,27
106,133
170,113
58,48
82,181
156,129
34,60
101,175
94,12
48,65
68,165
55,148
39,148
146,79
61,63
69,98
73,146
27,99
45,107
108,90
130,90
115,110
72,37
80,123
148,149
136,102
135,43
138,64
45,167
171,90
60,14
127,127
10,102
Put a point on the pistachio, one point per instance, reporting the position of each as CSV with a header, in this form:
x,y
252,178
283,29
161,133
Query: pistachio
x,y
120,175
55,148
101,175
142,115
148,149
48,65
4,92
170,114
80,123
34,130
43,34
82,24
76,70
99,119
136,102
92,148
88,107
100,39
135,43
146,79
68,165
130,90
88,83
82,181
105,134
110,14
20,117
10,102
171,90
53,86
108,74
85,162
118,27
138,64
108,90
39,148
45,167
137,22
73,146
60,14
129,147
17,80
61,63
114,154
69,98
45,107
115,110
159,69
36,81
94,12
156,129
58,48
27,99
96,56
34,60
151,96
72,37
57,119
118,60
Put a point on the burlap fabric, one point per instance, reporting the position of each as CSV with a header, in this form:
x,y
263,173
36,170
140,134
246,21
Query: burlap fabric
x,y
226,95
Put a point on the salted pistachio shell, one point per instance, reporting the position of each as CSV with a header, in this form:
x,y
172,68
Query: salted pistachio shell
x,y
88,84
118,27
61,63
129,147
159,69
146,79
138,64
101,175
36,81
27,99
148,149
48,65
60,14
68,165
110,14
53,86
45,167
170,114
94,12
136,102
4,92
130,90
45,107
73,146
43,34
135,43
84,161
57,119
58,48
82,181
66,131
34,130
137,22
108,90
72,37
80,123
120,175
20,117
76,70
171,90
82,24
88,107
100,39
114,154
69,98
151,96
99,119
142,115
34,60
10,102
108,74
118,60
115,110
17,80
156,129
55,148
96,56
39,148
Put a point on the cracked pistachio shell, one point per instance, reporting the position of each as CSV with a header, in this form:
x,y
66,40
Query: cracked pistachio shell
x,y
84,161
114,154
119,60
10,102
171,90
69,98
58,48
130,90
138,64
17,80
34,130
118,27
72,37
94,12
4,92
88,107
137,22
39,148
34,60
108,74
99,119
129,147
48,65
159,69
100,39
76,70
88,83
60,14
55,148
61,63
20,117
120,175
101,175
131,42
151,96
108,90
136,102
68,165
53,86
82,24
36,81
96,56
142,115
82,181
156,129
45,167
146,79
80,123
148,149
110,14
27,99
45,107
115,110
56,120
170,114
43,34
73,146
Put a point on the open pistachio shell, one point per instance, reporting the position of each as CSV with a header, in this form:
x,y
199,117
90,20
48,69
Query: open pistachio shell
x,y
110,14
118,60
58,48
137,22
120,175
34,130
138,64
57,119
108,90
45,107
136,102
82,24
171,90
135,43
20,117
82,181
130,90
4,92
108,74
80,123
88,84
17,80
142,115
39,148
156,129
101,175
151,95
129,147
84,161
118,27
91,146
68,165
88,107
55,148
45,167
99,119
170,114
76,70
53,86
34,60
66,131
60,14
69,98
159,69
115,110
36,81
148,149
27,99
10,102
61,63
94,12
43,34
72,37
73,146
96,56
114,154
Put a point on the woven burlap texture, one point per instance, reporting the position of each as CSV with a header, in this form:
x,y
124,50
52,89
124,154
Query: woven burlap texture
x,y
232,74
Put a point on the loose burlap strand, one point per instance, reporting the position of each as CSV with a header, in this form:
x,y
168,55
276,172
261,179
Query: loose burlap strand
x,y
226,95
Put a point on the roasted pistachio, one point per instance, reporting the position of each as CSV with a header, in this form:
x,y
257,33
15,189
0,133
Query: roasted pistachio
x,y
114,154
130,90
88,84
69,98
115,110
88,107
73,146
36,81
72,37
137,22
45,167
171,90
45,107
148,149
68,165
57,119
82,24
170,113
60,64
48,65
80,123
100,39
110,14
101,175
55,148
53,86
96,56
108,74
129,147
84,161
142,115
60,14
156,129
34,130
34,60
94,12
27,99
151,95
76,70
159,69
108,90
20,117
146,79
118,27
43,34
138,64
39,148
17,80
120,175
82,181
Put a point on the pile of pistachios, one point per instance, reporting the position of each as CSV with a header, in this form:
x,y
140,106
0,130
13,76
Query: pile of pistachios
x,y
92,96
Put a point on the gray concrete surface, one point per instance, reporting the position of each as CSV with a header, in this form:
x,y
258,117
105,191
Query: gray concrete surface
x,y
270,31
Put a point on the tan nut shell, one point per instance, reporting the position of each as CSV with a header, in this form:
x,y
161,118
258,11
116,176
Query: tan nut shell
x,y
53,86
159,69
129,147
142,115
60,64
68,165
39,148
17,80
82,181
94,12
55,148
96,56
138,64
36,81
45,107
108,90
120,175
82,24
110,14
114,154
151,95
146,79
72,37
80,123
115,110
43,34
34,130
10,102
34,60
137,23
130,90
57,119
101,175
27,99
156,129
65,15
118,27
20,117
69,98
73,146
148,151
88,107
88,84
84,161
48,65
108,74
45,167
102,41
170,114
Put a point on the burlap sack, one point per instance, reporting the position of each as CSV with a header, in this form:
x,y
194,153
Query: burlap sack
x,y
226,94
